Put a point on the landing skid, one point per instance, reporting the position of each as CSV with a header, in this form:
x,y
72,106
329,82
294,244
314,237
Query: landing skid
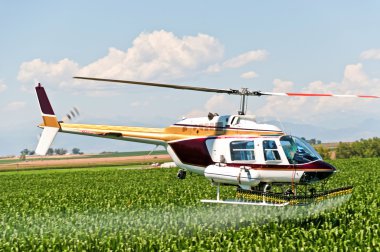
x,y
263,198
241,202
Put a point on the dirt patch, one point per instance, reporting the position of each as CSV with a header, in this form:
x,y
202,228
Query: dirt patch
x,y
38,163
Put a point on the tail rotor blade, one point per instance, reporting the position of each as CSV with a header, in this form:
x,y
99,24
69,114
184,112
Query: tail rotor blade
x,y
71,115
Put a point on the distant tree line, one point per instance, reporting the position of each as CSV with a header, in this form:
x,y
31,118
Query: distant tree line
x,y
25,152
51,151
364,148
312,141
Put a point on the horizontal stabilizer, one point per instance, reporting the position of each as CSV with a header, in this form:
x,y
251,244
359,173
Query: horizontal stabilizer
x,y
47,137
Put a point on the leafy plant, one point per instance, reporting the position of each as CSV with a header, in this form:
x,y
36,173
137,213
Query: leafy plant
x,y
126,208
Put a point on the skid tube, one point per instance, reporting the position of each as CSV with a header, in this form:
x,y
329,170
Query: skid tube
x,y
240,201
260,198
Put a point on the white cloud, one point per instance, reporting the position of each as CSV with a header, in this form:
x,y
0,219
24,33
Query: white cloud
x,y
3,87
312,110
249,75
316,109
373,54
55,73
245,58
158,56
216,104
14,106
239,61
216,68
355,74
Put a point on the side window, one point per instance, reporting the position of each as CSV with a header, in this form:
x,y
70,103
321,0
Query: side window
x,y
242,150
270,150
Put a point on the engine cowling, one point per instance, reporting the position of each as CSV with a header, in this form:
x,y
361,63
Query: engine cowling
x,y
241,176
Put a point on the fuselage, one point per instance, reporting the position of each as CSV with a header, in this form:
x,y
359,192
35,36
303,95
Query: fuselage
x,y
228,149
220,147
247,151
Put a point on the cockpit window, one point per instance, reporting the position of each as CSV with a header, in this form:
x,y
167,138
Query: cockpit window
x,y
270,150
242,150
298,151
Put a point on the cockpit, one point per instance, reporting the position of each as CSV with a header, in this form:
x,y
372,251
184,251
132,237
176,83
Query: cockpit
x,y
278,150
298,151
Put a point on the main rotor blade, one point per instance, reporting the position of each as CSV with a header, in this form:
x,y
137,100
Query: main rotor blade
x,y
318,95
243,91
202,89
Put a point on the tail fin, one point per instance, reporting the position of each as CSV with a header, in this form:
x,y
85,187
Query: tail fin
x,y
48,116
50,123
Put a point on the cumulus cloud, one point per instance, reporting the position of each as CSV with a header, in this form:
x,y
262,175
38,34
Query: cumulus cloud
x,y
38,70
239,61
245,58
216,68
3,87
355,74
314,109
249,75
371,54
14,106
216,104
159,56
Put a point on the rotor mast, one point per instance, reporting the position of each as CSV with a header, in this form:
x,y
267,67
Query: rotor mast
x,y
243,101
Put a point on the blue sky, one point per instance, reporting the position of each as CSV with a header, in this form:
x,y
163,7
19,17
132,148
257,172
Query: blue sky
x,y
309,46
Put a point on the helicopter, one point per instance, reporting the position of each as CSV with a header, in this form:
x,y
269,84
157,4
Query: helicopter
x,y
267,166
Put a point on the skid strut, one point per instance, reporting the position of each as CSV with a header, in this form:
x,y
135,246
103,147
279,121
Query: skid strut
x,y
238,202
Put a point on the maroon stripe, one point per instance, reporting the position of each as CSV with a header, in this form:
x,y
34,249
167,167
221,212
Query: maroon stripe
x,y
223,128
317,165
44,101
192,152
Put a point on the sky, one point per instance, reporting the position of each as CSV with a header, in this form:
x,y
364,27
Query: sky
x,y
277,46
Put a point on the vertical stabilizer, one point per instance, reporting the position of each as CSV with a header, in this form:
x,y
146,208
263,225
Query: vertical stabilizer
x,y
47,138
47,112
50,123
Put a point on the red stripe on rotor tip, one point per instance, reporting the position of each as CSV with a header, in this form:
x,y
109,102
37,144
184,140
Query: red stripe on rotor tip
x,y
302,94
368,96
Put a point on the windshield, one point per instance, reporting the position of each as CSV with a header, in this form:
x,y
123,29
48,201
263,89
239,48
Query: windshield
x,y
298,151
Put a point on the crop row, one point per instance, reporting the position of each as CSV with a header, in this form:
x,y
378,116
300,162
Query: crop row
x,y
124,209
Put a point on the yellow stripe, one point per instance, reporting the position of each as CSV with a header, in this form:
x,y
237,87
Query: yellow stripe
x,y
171,133
50,121
203,131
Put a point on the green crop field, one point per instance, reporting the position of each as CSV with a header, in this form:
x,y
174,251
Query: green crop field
x,y
128,209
